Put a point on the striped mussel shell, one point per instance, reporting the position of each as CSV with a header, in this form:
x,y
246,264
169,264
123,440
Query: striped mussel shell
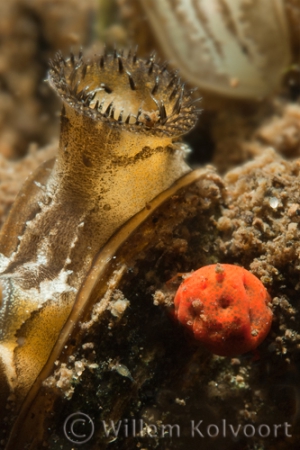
x,y
233,48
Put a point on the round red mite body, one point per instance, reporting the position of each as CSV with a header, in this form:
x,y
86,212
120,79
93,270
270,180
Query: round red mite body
x,y
226,308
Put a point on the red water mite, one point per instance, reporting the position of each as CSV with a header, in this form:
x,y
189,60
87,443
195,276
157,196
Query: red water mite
x,y
226,307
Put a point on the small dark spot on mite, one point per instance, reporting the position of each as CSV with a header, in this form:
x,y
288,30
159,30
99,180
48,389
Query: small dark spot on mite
x,y
244,50
86,161
107,89
224,302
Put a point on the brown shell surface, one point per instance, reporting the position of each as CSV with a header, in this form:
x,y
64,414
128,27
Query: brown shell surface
x,y
127,357
59,243
131,252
